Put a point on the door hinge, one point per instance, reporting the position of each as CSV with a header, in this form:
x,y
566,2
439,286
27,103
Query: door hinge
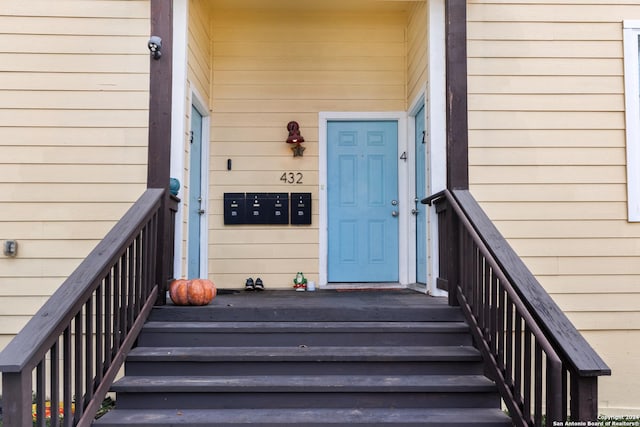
x,y
191,137
424,136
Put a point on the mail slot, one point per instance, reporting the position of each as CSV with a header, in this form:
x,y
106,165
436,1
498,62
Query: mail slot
x,y
234,208
301,208
257,207
277,208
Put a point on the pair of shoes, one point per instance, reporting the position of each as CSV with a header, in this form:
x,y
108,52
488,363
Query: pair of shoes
x,y
250,285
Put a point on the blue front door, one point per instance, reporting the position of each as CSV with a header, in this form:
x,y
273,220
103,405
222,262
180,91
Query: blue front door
x,y
196,203
421,193
362,197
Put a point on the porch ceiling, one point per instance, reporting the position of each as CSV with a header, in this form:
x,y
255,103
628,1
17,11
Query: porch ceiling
x,y
347,5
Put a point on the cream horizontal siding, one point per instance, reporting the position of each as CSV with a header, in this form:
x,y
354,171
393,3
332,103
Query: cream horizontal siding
x,y
417,51
265,74
548,163
73,130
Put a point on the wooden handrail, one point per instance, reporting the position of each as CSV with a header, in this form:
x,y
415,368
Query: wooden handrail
x,y
557,327
516,325
83,331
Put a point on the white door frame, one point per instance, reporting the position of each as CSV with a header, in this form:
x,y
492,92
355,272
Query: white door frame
x,y
415,106
403,182
197,102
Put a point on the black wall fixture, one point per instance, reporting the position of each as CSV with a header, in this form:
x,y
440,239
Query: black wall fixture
x,y
267,208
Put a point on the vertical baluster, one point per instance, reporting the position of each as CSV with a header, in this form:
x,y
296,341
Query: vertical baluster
x,y
79,355
473,274
153,280
501,325
469,256
41,393
131,298
67,395
495,318
117,327
89,361
124,285
509,344
99,340
565,394
153,247
527,373
146,251
480,288
518,357
138,287
475,279
487,318
54,379
537,396
108,321
462,264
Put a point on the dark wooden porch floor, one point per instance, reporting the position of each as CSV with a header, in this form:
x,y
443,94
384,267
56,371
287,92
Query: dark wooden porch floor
x,y
273,305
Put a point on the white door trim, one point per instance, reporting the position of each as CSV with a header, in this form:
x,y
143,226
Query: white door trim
x,y
414,108
198,103
403,182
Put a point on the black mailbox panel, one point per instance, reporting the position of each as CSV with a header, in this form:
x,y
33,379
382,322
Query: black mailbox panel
x,y
278,208
301,208
257,208
234,208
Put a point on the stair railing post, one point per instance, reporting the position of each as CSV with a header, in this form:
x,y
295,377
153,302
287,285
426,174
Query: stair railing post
x,y
584,398
454,264
159,155
17,398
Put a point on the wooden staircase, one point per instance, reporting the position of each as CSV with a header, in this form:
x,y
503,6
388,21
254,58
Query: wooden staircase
x,y
277,358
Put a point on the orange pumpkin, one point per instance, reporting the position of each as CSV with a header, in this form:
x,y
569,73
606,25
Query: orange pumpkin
x,y
201,292
192,292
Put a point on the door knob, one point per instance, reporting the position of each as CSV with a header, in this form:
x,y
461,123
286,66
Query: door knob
x,y
394,213
415,211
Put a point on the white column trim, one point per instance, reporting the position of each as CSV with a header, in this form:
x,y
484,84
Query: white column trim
x,y
435,125
178,115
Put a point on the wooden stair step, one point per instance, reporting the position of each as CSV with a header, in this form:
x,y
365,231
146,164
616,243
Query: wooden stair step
x,y
311,333
307,353
307,327
306,391
276,417
306,383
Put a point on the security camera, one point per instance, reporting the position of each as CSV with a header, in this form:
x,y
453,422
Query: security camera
x,y
155,45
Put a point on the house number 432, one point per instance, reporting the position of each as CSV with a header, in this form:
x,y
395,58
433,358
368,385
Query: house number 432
x,y
291,177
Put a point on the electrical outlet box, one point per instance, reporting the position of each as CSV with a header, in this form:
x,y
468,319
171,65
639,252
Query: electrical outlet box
x,y
10,248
